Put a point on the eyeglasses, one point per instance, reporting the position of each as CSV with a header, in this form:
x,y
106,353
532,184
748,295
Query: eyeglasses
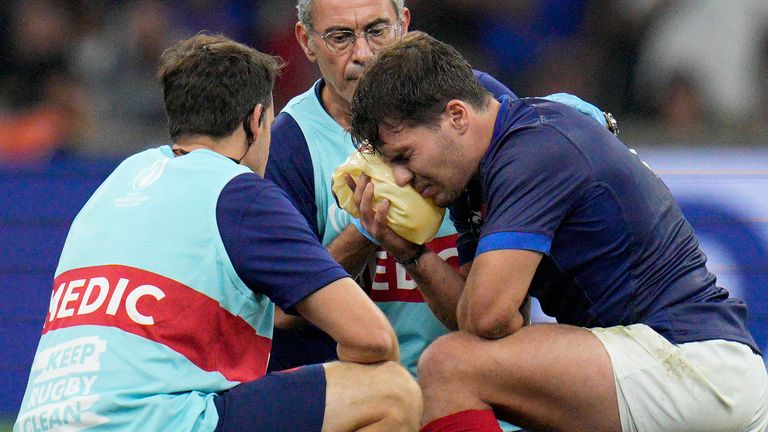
x,y
341,41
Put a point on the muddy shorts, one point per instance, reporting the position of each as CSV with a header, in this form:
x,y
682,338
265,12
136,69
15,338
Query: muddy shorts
x,y
713,385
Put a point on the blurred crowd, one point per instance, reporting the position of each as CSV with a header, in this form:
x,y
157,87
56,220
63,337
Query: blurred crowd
x,y
78,76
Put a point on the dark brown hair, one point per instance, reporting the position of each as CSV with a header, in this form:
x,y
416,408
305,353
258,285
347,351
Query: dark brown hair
x,y
408,84
210,83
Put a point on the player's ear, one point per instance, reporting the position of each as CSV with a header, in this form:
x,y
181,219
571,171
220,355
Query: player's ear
x,y
304,40
257,118
457,114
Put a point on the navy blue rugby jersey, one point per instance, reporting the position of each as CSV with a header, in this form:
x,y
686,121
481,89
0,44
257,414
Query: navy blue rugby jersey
x,y
617,249
269,243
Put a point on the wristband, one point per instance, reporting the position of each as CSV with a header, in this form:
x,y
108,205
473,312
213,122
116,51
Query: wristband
x,y
413,259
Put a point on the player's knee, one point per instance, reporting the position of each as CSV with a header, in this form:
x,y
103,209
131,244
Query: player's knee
x,y
442,359
403,388
383,394
402,396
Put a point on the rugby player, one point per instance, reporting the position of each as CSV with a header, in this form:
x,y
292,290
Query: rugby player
x,y
549,204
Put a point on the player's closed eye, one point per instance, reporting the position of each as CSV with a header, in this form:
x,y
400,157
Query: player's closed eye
x,y
400,159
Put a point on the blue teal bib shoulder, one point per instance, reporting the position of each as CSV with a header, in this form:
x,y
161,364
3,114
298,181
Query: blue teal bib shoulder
x,y
101,377
329,146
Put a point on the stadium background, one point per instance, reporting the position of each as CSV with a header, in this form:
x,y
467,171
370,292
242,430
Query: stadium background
x,y
687,79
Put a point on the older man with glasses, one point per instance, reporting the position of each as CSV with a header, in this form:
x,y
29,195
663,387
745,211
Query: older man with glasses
x,y
310,138
340,42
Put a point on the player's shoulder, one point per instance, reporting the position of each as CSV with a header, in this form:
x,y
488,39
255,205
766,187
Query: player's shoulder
x,y
247,186
546,117
496,87
568,122
516,115
480,75
250,196
533,131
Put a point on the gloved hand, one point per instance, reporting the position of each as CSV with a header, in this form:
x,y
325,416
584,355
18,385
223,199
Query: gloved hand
x,y
410,215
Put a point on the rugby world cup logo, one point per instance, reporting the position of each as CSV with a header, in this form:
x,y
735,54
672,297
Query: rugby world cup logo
x,y
143,180
149,175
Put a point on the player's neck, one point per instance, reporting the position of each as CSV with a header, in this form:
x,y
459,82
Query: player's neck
x,y
483,132
232,146
338,107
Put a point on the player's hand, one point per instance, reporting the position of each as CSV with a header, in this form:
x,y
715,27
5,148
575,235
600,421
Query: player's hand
x,y
410,215
374,219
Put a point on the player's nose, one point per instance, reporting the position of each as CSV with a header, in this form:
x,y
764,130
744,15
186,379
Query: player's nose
x,y
403,176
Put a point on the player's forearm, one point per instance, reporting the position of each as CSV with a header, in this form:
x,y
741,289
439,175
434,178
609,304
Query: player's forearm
x,y
440,285
368,337
381,347
351,250
488,322
494,327
494,302
361,330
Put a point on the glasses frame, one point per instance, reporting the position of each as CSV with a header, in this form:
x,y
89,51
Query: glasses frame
x,y
395,27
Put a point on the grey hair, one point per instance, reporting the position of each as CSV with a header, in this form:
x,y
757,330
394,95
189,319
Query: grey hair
x,y
304,9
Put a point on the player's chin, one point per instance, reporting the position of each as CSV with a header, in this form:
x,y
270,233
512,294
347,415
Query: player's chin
x,y
446,198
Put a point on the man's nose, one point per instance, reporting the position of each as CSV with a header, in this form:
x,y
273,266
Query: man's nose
x,y
402,175
361,50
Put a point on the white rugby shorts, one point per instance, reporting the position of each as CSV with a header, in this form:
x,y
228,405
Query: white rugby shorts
x,y
713,385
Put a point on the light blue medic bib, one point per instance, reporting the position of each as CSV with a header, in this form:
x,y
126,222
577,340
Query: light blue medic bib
x,y
148,318
329,145
393,291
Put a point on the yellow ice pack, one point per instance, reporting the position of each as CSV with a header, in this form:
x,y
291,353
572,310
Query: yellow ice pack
x,y
410,215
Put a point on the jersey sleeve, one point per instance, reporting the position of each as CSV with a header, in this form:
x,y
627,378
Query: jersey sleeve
x,y
290,167
531,182
269,244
